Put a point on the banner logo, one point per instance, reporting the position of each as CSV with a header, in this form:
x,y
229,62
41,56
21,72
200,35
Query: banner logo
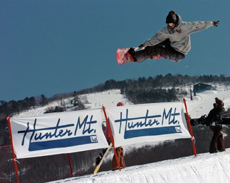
x,y
60,136
150,125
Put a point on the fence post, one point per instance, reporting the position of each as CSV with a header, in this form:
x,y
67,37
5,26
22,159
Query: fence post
x,y
70,165
111,137
190,128
12,147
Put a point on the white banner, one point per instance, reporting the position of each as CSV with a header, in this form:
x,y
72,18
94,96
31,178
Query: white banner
x,y
147,123
58,133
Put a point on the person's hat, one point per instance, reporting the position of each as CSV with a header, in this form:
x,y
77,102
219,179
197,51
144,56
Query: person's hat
x,y
171,18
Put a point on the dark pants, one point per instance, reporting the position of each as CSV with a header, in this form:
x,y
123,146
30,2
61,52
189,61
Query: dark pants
x,y
217,142
164,49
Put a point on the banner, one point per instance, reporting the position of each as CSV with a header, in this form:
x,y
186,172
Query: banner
x,y
147,123
58,133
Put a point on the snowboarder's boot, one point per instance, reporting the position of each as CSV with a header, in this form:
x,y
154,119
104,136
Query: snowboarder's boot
x,y
132,53
156,56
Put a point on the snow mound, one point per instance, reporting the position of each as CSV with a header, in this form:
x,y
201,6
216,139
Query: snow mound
x,y
211,168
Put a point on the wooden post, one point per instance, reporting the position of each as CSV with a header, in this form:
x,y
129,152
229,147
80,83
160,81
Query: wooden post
x,y
111,137
190,128
12,147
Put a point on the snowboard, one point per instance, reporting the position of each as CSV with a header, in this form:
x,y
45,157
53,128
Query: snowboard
x,y
123,57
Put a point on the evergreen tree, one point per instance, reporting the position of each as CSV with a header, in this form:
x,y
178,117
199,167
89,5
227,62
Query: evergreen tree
x,y
43,100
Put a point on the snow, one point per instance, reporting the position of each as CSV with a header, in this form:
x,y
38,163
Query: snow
x,y
40,110
108,98
203,102
204,168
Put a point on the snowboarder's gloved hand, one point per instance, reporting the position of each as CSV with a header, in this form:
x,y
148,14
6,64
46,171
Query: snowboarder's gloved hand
x,y
141,46
215,23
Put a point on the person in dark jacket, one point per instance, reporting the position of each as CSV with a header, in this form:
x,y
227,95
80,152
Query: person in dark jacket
x,y
214,121
173,41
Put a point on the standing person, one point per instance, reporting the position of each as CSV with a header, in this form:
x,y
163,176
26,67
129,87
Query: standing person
x,y
173,41
120,152
214,121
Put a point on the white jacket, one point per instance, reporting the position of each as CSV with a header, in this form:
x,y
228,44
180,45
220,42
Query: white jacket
x,y
179,36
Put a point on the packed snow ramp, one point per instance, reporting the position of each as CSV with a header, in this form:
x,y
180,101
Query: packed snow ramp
x,y
210,168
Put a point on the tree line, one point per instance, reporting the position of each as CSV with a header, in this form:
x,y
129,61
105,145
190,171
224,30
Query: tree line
x,y
141,90
15,107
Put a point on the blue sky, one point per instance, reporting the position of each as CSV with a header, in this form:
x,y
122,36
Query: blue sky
x,y
60,46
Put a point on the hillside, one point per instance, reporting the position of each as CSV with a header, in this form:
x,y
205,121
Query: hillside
x,y
201,104
93,100
83,162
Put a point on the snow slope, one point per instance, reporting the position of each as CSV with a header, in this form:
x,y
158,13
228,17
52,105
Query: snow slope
x,y
202,103
108,98
205,168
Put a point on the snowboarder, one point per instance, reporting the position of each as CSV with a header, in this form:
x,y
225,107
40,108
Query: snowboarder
x,y
173,41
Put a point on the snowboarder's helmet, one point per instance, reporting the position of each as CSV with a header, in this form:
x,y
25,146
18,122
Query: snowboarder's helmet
x,y
120,104
171,18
